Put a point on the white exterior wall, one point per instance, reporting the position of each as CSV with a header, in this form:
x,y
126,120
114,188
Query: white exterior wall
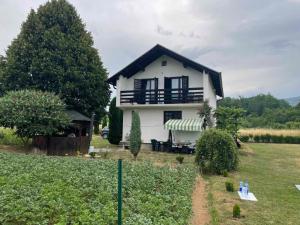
x,y
152,115
155,70
152,124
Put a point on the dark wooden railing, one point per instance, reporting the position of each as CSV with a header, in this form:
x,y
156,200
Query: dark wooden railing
x,y
162,96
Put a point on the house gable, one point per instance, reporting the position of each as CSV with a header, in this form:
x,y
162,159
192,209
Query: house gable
x,y
159,52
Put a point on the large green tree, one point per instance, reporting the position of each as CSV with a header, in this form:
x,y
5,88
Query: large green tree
x,y
33,113
2,71
54,52
115,123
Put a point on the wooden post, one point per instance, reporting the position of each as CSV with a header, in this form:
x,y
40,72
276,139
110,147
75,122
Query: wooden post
x,y
91,128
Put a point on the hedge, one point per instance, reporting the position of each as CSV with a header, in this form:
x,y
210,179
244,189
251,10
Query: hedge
x,y
268,138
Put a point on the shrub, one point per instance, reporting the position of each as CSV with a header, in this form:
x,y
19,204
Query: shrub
x,y
33,113
92,154
8,137
225,173
244,138
236,211
115,123
135,135
216,151
256,138
229,186
180,159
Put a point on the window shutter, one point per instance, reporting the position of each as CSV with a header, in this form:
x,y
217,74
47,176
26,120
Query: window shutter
x,y
185,87
167,91
138,88
185,82
137,84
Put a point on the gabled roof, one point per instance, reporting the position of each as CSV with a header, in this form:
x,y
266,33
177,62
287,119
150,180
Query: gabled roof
x,y
76,116
157,51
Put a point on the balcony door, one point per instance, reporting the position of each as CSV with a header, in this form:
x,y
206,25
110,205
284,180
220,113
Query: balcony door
x,y
146,90
176,89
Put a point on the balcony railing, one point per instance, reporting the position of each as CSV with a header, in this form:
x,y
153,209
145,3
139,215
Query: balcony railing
x,y
162,96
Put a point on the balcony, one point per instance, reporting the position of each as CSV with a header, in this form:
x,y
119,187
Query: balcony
x,y
162,96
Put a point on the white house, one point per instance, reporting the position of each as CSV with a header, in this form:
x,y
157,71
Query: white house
x,y
162,85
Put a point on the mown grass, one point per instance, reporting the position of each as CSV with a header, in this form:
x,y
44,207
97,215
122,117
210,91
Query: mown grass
x,y
99,142
277,132
272,171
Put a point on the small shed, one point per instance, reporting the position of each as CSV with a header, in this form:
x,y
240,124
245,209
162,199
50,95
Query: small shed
x,y
72,140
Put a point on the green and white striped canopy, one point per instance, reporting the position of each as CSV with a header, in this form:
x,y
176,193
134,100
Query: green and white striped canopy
x,y
185,124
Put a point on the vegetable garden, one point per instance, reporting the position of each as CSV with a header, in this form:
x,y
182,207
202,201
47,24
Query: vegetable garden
x,y
68,190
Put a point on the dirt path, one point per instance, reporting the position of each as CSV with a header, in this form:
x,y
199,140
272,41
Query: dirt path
x,y
200,211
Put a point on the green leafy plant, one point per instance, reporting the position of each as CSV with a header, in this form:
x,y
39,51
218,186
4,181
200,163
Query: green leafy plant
x,y
244,138
229,186
180,159
135,135
115,123
225,173
33,113
205,112
236,211
216,152
229,119
92,154
63,189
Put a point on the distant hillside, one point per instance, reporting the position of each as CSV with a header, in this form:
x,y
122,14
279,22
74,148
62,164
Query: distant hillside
x,y
293,101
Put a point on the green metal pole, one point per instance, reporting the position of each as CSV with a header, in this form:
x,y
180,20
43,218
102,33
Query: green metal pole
x,y
120,192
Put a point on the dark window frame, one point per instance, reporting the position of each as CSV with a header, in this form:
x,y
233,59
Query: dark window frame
x,y
172,115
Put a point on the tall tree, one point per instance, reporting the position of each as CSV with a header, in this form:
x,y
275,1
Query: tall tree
x,y
135,135
115,123
2,70
54,52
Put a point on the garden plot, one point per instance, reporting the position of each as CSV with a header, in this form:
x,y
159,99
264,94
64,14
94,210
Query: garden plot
x,y
70,190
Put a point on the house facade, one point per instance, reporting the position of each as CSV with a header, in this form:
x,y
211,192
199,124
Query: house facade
x,y
162,85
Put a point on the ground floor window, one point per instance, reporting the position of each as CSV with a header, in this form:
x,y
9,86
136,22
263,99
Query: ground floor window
x,y
172,115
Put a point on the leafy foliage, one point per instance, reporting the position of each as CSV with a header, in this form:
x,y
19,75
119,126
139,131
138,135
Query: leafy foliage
x,y
216,152
135,135
236,211
229,186
265,111
2,71
104,121
54,52
115,123
66,190
229,119
180,159
205,112
33,113
8,137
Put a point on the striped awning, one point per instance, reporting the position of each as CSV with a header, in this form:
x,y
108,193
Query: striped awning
x,y
184,124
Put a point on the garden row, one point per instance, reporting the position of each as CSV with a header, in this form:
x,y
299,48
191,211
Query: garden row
x,y
268,138
67,190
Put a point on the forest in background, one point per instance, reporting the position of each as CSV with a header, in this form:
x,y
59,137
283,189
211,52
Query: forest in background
x,y
265,111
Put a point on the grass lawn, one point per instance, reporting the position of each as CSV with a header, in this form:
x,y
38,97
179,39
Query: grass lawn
x,y
272,171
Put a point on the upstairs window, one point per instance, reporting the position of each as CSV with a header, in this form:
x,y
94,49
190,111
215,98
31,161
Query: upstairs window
x,y
164,63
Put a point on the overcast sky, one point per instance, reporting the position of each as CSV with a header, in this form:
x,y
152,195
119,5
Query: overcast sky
x,y
254,43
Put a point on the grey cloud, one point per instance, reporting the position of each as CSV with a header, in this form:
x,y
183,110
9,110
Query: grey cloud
x,y
254,43
163,31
